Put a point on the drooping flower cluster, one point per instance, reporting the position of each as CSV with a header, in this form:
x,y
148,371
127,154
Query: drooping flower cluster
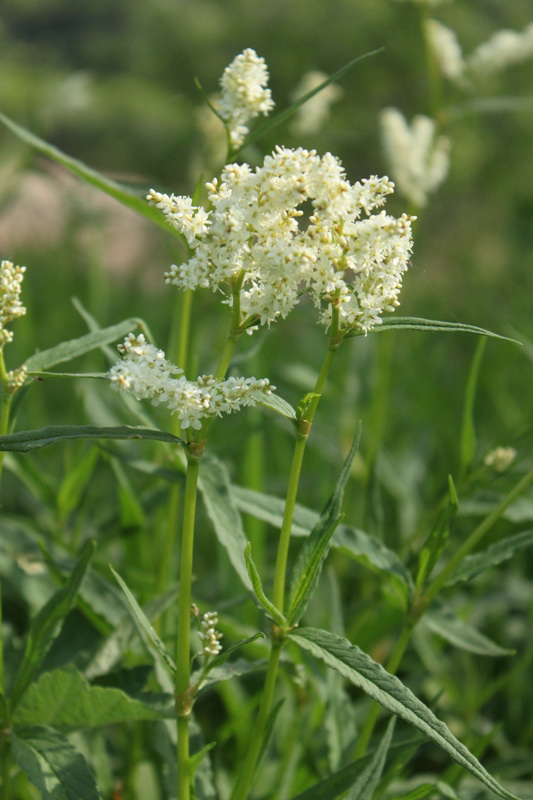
x,y
244,94
209,635
256,229
504,49
145,373
419,159
10,306
311,116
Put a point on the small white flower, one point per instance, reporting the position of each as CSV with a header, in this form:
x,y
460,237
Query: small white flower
x,y
146,374
500,458
210,636
244,94
419,158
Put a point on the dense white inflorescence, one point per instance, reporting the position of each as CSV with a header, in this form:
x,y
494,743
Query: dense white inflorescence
x,y
419,158
447,50
11,308
294,224
145,373
502,50
244,94
500,458
209,635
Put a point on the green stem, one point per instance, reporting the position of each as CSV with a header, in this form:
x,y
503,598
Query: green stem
x,y
245,779
182,683
6,398
475,537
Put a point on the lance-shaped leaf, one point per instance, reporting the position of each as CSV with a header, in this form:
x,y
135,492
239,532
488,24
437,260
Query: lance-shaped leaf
x,y
144,627
259,593
314,550
214,485
24,441
63,698
475,564
364,786
51,763
46,626
73,348
462,635
369,676
420,324
276,403
124,195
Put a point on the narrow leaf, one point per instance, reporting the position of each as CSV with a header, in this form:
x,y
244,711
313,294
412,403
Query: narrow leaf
x,y
314,550
24,441
369,676
143,626
477,563
53,766
124,195
44,376
196,759
214,485
468,432
366,783
261,597
74,348
462,635
75,482
420,324
46,626
276,403
217,661
63,698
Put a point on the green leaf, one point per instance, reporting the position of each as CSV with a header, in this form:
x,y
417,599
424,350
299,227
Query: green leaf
x,y
124,195
74,348
276,403
46,626
467,440
226,672
75,482
196,759
24,441
434,545
366,783
420,324
314,550
53,766
477,563
44,376
144,627
369,676
214,485
462,635
217,661
279,119
63,698
261,597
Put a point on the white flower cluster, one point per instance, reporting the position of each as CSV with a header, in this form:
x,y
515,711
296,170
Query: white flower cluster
x,y
311,116
145,373
334,247
244,94
502,50
419,159
209,635
500,458
10,306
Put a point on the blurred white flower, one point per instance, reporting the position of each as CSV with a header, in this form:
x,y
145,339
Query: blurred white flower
x,y
502,50
418,157
145,373
447,50
311,116
244,94
500,458
256,230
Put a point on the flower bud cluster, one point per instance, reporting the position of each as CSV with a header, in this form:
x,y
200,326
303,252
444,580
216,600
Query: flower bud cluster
x,y
294,224
209,635
145,373
244,94
419,159
15,379
10,306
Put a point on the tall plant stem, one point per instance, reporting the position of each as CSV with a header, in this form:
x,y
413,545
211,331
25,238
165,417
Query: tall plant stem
x,y
421,604
245,779
182,683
